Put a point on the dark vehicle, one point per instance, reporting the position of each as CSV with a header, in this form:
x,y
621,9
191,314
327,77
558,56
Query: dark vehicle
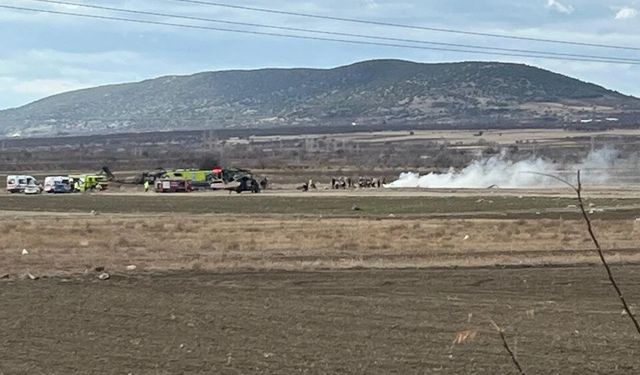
x,y
247,183
234,179
60,188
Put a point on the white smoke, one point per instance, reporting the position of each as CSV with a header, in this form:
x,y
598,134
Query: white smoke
x,y
499,171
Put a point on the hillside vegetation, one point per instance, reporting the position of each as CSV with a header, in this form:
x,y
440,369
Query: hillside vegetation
x,y
376,92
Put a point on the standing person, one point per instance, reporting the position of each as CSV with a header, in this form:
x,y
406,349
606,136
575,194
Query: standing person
x,y
146,186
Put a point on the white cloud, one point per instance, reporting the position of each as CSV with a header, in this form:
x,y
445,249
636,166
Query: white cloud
x,y
626,13
560,7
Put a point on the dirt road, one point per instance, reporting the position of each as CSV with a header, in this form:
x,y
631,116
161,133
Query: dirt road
x,y
333,322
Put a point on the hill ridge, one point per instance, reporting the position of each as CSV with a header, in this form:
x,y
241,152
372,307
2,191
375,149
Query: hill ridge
x,y
375,92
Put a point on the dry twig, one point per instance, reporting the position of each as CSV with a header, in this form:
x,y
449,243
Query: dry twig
x,y
612,280
507,347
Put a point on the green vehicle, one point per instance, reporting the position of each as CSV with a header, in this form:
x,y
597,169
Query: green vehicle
x,y
233,179
86,182
198,177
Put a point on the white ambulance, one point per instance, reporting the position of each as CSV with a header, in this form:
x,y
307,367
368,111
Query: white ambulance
x,y
17,183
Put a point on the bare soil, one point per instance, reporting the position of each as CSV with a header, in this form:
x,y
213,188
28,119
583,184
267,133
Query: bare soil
x,y
558,320
284,284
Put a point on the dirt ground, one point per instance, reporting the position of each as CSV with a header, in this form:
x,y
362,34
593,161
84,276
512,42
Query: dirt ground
x,y
284,283
331,322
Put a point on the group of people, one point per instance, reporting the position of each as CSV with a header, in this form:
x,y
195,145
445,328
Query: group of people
x,y
347,183
308,185
361,182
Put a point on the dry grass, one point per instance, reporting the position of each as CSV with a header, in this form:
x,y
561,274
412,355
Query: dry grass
x,y
73,244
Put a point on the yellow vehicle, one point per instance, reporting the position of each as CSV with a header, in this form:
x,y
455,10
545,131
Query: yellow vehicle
x,y
86,182
198,177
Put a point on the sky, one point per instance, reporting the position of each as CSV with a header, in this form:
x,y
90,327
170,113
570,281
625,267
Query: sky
x,y
44,54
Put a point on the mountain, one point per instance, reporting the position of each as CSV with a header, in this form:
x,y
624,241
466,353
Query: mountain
x,y
374,92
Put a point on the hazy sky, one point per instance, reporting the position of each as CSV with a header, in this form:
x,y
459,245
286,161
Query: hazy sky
x,y
44,54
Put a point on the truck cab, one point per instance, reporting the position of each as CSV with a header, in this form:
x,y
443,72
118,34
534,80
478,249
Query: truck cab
x,y
86,182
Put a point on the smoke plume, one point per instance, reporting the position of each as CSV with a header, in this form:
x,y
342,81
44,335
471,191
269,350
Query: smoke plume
x,y
499,171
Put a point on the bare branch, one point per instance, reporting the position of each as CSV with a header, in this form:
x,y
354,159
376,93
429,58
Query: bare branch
x,y
566,182
612,279
594,239
507,347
